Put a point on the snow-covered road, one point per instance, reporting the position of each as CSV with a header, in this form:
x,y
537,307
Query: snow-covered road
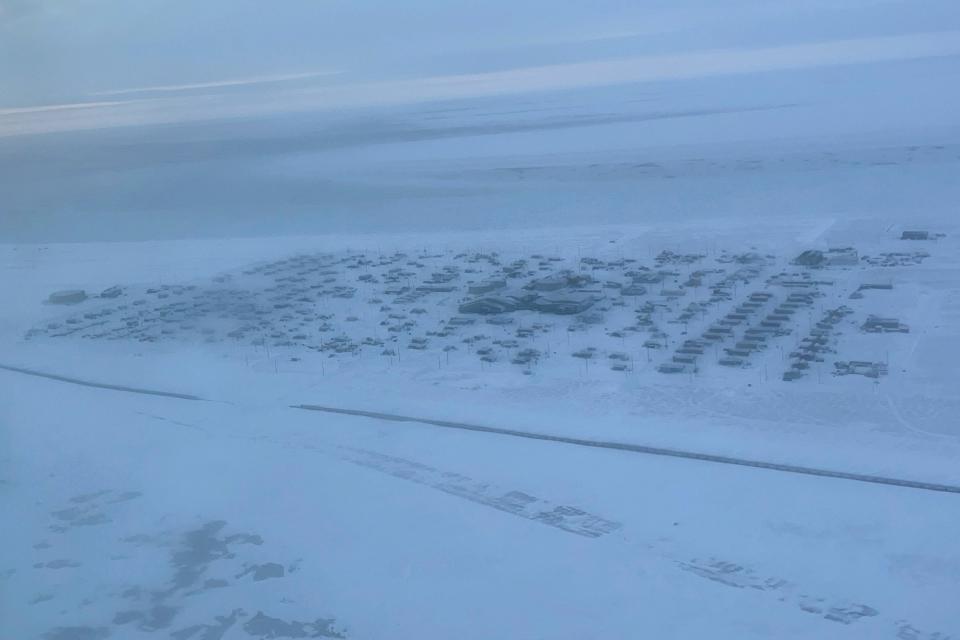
x,y
582,442
639,448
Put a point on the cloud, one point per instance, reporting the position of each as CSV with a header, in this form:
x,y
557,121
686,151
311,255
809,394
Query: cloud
x,y
216,84
686,65
640,69
63,107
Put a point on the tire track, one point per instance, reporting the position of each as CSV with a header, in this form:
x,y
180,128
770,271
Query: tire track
x,y
638,448
582,442
100,385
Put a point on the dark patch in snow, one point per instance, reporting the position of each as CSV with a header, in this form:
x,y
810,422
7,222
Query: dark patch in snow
x,y
570,519
214,583
152,608
157,617
87,497
124,617
740,577
213,631
79,516
77,633
199,548
263,571
190,559
263,626
906,631
244,538
60,563
126,495
87,509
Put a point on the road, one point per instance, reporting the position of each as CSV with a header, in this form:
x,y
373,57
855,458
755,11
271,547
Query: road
x,y
581,442
644,449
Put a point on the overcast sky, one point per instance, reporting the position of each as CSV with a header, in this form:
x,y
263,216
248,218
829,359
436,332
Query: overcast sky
x,y
89,63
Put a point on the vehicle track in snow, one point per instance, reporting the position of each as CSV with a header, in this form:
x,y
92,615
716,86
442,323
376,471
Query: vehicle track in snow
x,y
644,449
532,435
99,385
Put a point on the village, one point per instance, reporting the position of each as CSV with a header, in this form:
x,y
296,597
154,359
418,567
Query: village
x,y
822,313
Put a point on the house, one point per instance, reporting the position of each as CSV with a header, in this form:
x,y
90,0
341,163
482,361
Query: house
x,y
810,258
492,304
842,257
860,368
486,287
648,277
562,280
876,324
559,302
633,289
676,367
562,303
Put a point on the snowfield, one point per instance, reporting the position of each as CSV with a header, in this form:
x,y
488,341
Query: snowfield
x,y
174,489
479,320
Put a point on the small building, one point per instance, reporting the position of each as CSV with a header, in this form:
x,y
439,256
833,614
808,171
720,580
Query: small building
x,y
562,280
915,235
563,303
860,368
842,257
676,367
425,288
486,286
648,277
633,289
876,324
491,305
810,258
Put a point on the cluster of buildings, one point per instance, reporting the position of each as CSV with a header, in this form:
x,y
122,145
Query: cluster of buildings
x,y
816,344
498,309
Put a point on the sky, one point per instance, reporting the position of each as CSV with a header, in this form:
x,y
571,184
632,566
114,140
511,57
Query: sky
x,y
177,118
74,64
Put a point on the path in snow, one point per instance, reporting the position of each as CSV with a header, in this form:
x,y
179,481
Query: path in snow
x,y
100,385
638,448
601,444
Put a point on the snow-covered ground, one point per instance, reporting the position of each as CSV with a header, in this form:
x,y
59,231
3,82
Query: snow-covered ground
x,y
514,320
311,524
